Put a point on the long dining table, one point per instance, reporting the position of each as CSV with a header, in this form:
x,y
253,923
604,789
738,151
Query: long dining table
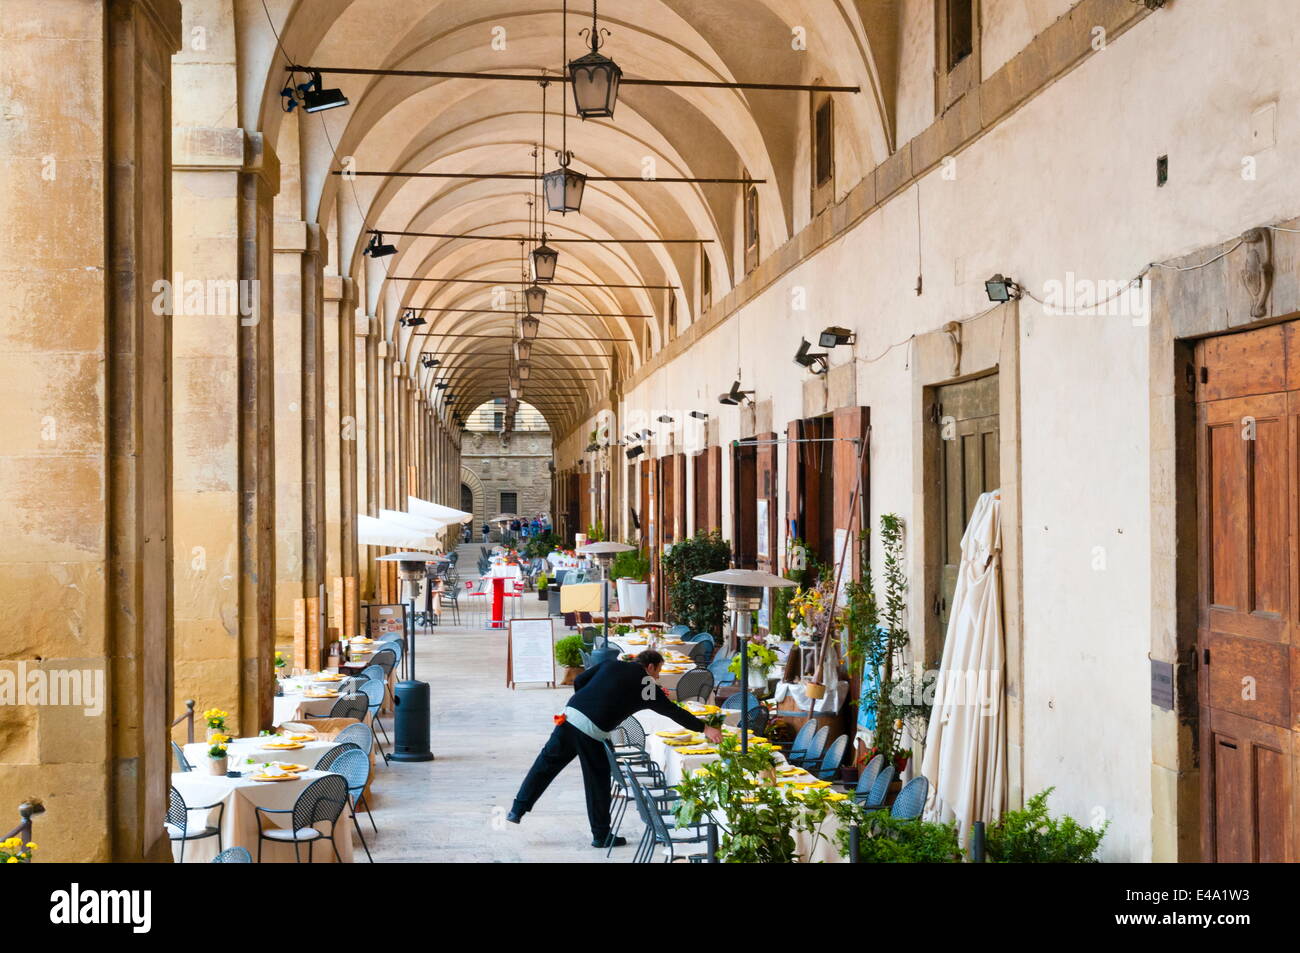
x,y
240,820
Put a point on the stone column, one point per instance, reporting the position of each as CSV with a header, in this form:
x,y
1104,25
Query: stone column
x,y
347,445
313,414
85,494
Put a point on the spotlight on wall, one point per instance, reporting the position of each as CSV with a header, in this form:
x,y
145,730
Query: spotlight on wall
x,y
634,452
699,415
593,447
736,396
834,337
315,98
817,363
1001,289
665,419
410,319
647,434
431,361
442,385
377,247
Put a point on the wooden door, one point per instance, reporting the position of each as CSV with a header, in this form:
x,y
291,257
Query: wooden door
x,y
679,503
1248,408
744,499
713,468
700,479
766,470
966,416
851,516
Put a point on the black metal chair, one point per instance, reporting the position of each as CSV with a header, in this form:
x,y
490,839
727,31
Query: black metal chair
x,y
376,691
695,685
657,830
182,762
347,706
233,855
325,762
354,766
178,821
911,800
322,801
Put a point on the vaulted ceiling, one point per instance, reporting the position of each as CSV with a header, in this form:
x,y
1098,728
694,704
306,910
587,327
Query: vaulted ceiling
x,y
474,125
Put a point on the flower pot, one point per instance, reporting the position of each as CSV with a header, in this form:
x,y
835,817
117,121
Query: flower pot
x,y
634,598
570,674
216,731
814,690
218,766
900,765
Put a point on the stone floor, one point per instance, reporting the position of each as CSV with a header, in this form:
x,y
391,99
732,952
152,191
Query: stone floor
x,y
484,738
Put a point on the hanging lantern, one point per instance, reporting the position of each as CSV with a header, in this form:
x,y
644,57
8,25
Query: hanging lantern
x,y
595,81
528,326
524,370
563,188
523,350
514,392
544,260
535,296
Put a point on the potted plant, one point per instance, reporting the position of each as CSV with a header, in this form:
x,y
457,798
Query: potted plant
x,y
1030,836
217,763
762,817
761,660
629,571
215,719
699,605
568,653
543,581
14,851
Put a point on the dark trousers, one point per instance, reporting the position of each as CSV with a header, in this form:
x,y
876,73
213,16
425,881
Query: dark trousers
x,y
565,744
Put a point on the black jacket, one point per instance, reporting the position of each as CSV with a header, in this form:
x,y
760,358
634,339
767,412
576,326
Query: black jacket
x,y
612,691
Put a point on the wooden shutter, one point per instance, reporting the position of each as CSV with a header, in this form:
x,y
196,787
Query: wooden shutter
x,y
767,471
850,423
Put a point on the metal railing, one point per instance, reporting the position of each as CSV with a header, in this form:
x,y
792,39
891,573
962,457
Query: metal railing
x,y
27,810
188,717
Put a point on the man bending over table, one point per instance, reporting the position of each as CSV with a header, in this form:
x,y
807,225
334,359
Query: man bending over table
x,y
604,697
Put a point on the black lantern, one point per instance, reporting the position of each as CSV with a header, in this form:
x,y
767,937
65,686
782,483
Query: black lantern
x,y
528,326
524,370
563,188
544,260
535,295
523,350
595,81
594,77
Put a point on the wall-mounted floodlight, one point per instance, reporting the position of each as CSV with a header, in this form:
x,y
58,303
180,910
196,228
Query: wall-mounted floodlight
x,y
834,337
1000,289
817,363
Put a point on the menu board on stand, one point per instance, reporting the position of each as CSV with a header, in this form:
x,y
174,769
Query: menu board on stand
x,y
530,652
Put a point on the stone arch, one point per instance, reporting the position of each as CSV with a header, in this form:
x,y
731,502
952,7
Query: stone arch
x,y
471,479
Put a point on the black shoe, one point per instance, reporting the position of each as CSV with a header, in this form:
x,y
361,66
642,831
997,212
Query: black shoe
x,y
514,817
609,842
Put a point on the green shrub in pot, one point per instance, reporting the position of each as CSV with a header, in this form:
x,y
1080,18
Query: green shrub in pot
x,y
568,651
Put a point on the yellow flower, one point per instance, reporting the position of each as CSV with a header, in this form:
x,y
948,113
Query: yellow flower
x,y
32,847
13,860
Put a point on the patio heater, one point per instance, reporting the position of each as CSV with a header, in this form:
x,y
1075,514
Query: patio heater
x,y
604,553
410,696
744,597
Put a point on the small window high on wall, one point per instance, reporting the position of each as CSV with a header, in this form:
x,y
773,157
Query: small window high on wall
x,y
957,45
706,282
751,226
823,152
509,502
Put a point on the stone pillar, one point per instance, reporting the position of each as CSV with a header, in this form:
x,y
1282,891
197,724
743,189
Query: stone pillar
x,y
313,413
290,245
85,495
347,446
332,374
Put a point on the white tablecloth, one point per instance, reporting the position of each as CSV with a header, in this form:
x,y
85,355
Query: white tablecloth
x,y
675,765
239,823
295,706
241,749
829,704
676,664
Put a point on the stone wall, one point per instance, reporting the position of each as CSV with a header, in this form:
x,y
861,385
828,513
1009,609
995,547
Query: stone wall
x,y
492,463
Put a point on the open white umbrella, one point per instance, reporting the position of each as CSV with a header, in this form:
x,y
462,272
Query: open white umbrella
x,y
965,746
419,507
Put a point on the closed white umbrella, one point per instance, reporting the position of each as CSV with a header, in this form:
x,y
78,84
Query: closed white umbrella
x,y
427,524
378,532
965,746
419,507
